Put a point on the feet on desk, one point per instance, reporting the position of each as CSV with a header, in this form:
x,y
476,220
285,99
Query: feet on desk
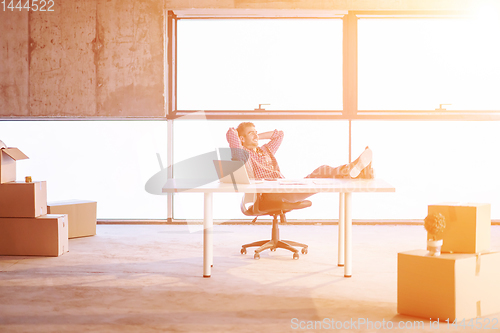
x,y
366,173
364,160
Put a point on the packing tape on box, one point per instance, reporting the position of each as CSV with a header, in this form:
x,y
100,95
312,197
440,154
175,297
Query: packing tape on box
x,y
478,270
478,263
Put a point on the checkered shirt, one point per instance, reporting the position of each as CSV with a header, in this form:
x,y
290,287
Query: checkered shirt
x,y
260,163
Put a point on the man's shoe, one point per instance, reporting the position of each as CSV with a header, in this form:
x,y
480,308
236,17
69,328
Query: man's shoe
x,y
367,173
361,162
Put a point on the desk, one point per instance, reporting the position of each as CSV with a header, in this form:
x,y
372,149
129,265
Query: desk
x,y
345,188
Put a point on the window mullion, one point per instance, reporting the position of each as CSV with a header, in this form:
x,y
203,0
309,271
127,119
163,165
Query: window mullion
x,y
350,65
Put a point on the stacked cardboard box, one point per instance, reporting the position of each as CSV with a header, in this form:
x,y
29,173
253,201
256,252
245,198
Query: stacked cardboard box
x,y
25,227
461,283
82,216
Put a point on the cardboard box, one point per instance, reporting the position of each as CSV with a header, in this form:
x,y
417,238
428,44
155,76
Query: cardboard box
x,y
82,216
20,199
45,235
8,158
468,226
450,286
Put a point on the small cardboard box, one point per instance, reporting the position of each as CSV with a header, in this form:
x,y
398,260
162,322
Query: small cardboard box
x,y
45,235
82,216
450,286
8,158
19,199
468,226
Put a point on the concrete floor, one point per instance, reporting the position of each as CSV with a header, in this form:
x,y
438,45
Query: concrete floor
x,y
148,278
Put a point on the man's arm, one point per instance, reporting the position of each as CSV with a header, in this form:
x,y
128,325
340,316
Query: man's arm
x,y
233,139
237,151
266,135
276,138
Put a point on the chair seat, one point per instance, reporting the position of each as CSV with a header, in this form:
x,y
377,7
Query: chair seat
x,y
272,208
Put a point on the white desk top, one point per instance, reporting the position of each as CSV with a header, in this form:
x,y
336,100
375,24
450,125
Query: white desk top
x,y
312,185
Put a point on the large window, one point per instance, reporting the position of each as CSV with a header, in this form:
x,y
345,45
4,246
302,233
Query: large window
x,y
429,162
418,64
296,64
291,64
104,161
306,146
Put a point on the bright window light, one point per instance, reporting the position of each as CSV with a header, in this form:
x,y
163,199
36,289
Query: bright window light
x,y
418,64
428,162
306,146
104,161
291,64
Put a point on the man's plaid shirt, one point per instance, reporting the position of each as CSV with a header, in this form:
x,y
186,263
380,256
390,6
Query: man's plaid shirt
x,y
260,163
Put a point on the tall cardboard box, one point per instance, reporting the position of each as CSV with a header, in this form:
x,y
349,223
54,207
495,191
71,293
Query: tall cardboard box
x,y
450,286
45,235
20,199
8,158
82,216
468,226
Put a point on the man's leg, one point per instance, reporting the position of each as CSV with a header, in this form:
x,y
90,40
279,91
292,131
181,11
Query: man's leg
x,y
326,171
351,170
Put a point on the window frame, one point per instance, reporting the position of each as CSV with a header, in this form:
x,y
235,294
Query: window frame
x,y
350,109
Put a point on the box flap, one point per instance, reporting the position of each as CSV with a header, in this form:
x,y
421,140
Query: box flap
x,y
69,202
15,153
461,204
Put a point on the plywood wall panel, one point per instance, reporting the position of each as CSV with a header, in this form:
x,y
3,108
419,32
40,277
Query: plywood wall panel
x,y
130,63
13,63
62,68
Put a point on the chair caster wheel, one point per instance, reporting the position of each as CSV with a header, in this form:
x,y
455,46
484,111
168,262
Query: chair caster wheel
x,y
256,256
295,256
304,250
243,251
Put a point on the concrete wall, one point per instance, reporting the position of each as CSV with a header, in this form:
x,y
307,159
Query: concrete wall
x,y
14,63
87,58
62,73
94,58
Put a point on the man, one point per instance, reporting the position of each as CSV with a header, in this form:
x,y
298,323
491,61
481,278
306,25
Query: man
x,y
262,164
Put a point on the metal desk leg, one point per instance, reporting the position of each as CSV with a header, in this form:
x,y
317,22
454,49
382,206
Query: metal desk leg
x,y
341,228
208,226
348,236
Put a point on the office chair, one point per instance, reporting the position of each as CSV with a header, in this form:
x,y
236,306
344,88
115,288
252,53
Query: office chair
x,y
250,206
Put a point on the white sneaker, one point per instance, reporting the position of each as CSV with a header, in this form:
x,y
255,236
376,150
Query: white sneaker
x,y
361,162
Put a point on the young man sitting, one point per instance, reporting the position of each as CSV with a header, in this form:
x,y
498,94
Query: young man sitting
x,y
261,163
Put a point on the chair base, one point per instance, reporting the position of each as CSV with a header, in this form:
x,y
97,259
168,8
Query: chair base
x,y
275,243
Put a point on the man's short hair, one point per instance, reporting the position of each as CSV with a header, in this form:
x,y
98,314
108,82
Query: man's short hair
x,y
241,127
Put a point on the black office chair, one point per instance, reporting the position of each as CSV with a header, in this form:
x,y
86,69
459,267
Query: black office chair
x,y
251,206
